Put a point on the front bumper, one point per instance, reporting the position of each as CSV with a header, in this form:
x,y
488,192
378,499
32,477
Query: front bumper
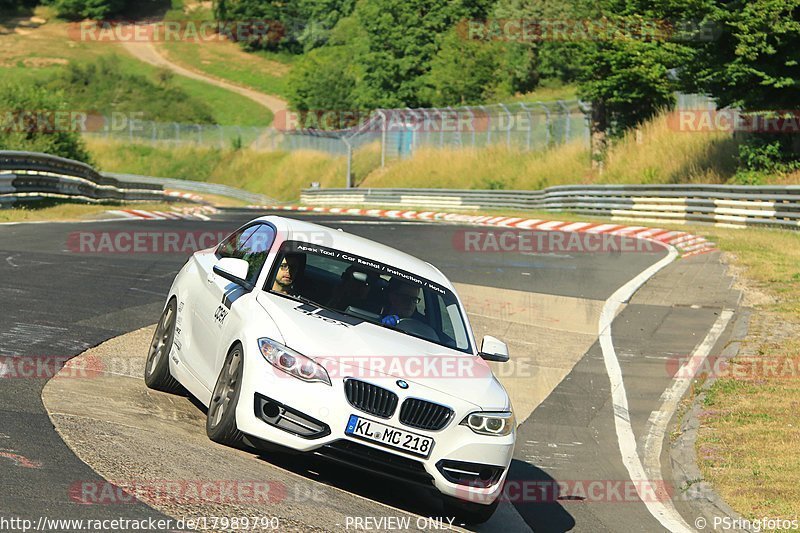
x,y
312,417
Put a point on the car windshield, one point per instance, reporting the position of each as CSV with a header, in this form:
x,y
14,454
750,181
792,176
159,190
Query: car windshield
x,y
371,291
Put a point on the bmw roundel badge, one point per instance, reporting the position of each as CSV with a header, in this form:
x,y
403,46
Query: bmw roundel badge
x,y
402,384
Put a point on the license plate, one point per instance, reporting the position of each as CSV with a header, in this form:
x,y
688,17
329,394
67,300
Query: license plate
x,y
389,436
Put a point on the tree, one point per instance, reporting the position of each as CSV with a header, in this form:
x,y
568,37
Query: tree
x,y
471,71
302,25
755,61
33,119
403,36
754,65
91,9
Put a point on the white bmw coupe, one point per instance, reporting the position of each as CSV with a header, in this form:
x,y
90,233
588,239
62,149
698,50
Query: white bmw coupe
x,y
319,341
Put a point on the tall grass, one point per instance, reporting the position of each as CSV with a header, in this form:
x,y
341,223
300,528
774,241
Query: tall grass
x,y
658,153
495,167
280,175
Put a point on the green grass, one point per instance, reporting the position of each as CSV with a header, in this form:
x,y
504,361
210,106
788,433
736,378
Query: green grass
x,y
42,50
228,62
227,108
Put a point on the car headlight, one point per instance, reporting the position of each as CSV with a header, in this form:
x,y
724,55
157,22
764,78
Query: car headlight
x,y
293,363
497,424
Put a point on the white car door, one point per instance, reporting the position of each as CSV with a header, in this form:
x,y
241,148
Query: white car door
x,y
215,302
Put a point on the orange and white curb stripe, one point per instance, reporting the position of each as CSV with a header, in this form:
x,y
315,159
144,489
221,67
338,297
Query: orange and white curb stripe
x,y
186,213
686,243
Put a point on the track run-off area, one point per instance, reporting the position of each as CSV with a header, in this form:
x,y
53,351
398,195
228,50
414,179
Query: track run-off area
x,y
597,341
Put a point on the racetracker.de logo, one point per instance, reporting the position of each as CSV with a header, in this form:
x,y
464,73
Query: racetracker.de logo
x,y
581,491
49,366
547,242
529,30
196,31
742,367
142,242
182,491
733,120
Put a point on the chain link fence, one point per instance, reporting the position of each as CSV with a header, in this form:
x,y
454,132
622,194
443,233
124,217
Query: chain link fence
x,y
400,132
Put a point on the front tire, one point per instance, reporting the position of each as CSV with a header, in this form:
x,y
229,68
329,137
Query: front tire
x,y
221,419
156,370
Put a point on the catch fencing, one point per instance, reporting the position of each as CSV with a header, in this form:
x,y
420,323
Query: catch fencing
x,y
400,132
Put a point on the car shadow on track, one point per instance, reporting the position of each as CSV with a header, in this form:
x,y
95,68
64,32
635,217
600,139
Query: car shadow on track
x,y
535,496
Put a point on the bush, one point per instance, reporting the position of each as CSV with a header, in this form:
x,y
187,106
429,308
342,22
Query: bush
x,y
104,87
87,9
768,153
28,123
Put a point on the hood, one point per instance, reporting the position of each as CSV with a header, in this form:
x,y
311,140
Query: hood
x,y
351,347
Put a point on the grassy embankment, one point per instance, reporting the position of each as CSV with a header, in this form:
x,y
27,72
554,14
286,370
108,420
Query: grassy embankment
x,y
658,155
38,48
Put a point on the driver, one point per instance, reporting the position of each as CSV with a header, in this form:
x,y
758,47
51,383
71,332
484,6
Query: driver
x,y
403,297
288,272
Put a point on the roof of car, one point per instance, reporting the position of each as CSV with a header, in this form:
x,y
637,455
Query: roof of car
x,y
347,242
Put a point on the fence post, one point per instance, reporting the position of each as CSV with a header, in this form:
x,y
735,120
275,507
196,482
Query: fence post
x,y
384,125
508,129
488,125
349,182
565,109
547,123
530,125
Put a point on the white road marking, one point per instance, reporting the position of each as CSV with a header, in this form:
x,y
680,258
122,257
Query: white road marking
x,y
657,423
663,511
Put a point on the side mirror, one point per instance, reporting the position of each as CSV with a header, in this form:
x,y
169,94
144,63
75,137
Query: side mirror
x,y
234,270
493,349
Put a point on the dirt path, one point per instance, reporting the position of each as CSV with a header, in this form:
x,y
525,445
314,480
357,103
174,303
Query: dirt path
x,y
147,52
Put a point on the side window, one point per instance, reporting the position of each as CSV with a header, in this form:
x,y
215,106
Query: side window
x,y
234,243
257,249
452,324
251,244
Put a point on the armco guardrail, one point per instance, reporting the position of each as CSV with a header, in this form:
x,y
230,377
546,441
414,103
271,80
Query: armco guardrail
x,y
197,186
31,175
736,205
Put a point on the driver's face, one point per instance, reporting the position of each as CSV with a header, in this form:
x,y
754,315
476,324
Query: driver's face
x,y
286,272
404,301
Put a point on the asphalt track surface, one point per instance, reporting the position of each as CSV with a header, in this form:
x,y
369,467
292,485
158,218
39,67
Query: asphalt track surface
x,y
57,302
